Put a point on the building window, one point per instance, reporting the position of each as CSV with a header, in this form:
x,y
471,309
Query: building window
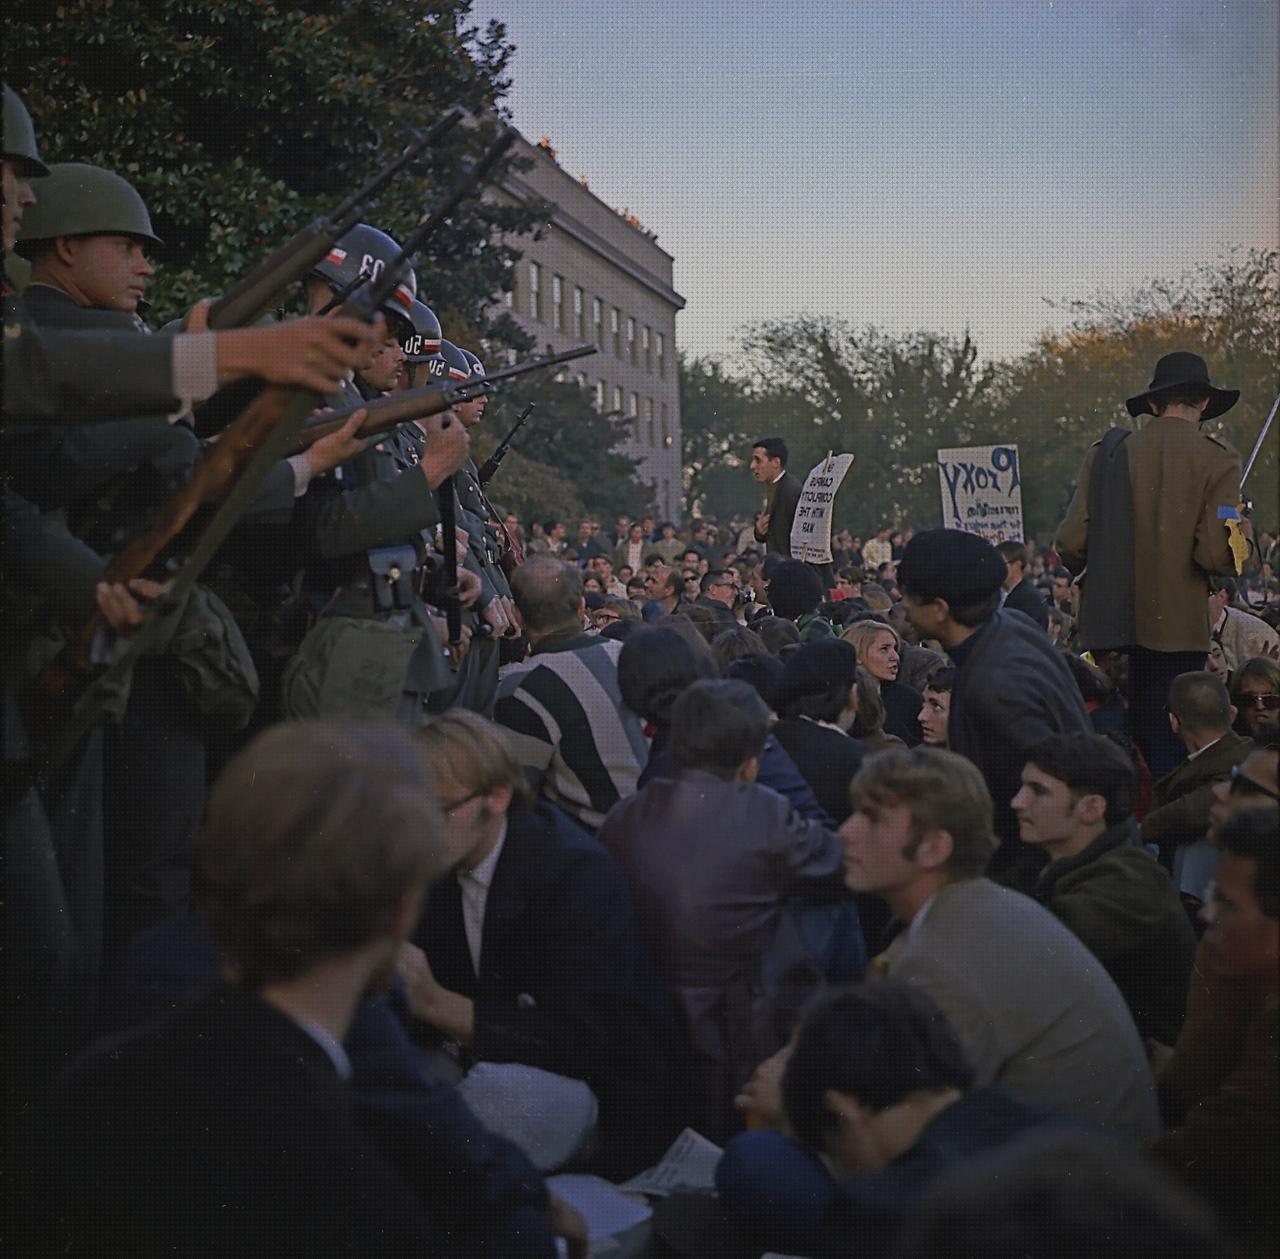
x,y
578,300
634,414
509,297
646,344
661,350
557,303
648,422
615,320
631,341
599,397
666,426
617,400
535,290
597,321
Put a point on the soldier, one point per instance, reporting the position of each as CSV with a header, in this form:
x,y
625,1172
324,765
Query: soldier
x,y
366,532
1147,518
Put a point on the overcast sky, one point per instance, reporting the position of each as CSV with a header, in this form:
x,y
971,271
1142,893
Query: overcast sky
x,y
911,163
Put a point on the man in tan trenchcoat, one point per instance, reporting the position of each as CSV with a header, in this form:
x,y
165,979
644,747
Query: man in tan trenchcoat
x,y
1149,502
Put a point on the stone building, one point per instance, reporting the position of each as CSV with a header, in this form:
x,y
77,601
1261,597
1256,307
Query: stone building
x,y
597,276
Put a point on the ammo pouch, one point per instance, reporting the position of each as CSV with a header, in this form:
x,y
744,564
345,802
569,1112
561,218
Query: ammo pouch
x,y
395,571
354,666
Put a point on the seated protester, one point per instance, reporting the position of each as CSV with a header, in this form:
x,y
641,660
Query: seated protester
x,y
1235,634
795,594
1102,699
229,1127
776,633
762,673
935,712
613,609
879,1099
530,954
1011,689
1200,713
655,668
1255,692
1035,1010
1054,1193
816,703
1224,1108
868,725
879,649
580,747
734,644
1076,802
712,857
704,620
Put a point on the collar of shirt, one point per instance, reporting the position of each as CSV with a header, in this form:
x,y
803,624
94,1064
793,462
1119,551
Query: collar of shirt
x,y
1191,756
482,875
474,888
331,1046
778,477
569,640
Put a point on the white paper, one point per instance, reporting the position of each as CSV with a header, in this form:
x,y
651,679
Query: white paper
x,y
606,1210
689,1166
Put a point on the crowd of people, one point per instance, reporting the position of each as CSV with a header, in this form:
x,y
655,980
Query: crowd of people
x,y
372,893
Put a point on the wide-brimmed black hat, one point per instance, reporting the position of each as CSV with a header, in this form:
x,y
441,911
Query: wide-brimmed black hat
x,y
1183,368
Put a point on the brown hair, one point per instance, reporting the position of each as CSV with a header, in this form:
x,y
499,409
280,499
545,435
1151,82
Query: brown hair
x,y
475,752
313,836
944,791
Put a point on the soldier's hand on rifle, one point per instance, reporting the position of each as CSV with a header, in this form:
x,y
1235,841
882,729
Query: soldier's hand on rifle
x,y
338,447
447,447
121,611
455,653
469,587
308,353
513,617
496,616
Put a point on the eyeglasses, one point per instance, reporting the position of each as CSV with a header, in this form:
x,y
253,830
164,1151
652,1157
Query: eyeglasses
x,y
1268,702
1243,785
450,809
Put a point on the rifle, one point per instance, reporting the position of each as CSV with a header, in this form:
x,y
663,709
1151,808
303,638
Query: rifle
x,y
260,290
229,476
415,404
494,461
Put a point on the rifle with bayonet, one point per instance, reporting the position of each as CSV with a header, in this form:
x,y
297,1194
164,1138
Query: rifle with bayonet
x,y
395,409
494,461
228,477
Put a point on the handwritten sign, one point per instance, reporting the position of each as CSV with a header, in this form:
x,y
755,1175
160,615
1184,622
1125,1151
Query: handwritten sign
x,y
982,491
811,527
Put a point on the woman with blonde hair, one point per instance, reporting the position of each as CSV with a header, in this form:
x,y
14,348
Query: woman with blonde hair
x,y
879,652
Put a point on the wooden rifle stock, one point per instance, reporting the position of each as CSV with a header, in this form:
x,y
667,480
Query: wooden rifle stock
x,y
449,542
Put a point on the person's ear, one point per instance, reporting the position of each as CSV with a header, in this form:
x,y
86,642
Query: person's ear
x,y
1092,808
1235,712
935,849
748,770
499,799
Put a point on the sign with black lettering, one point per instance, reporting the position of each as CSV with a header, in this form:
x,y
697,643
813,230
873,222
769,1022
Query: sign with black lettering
x,y
982,491
811,527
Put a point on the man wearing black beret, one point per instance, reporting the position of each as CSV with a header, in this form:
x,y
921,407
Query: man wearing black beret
x,y
1012,688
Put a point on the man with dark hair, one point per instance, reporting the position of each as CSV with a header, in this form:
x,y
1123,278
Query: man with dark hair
x,y
1076,802
1033,1008
1201,715
720,590
1012,689
229,1127
712,858
782,494
816,703
579,744
1019,591
1220,1085
795,594
1234,634
1147,518
879,1088
935,711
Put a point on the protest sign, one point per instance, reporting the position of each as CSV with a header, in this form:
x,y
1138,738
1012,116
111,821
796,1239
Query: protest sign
x,y
811,527
982,491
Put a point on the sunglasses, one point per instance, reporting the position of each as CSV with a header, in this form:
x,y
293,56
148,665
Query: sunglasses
x,y
1268,702
1242,785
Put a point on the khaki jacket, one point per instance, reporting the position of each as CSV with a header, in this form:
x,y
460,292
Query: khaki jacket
x,y
1180,477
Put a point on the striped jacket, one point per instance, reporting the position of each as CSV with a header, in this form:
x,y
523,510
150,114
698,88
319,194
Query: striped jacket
x,y
580,746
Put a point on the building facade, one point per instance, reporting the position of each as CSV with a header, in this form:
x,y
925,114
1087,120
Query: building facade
x,y
597,276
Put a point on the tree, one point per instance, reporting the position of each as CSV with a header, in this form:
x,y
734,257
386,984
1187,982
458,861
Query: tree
x,y
717,414
239,120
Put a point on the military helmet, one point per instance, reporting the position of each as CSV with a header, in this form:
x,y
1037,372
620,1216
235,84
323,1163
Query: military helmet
x,y
81,200
20,134
457,365
422,341
477,367
364,250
